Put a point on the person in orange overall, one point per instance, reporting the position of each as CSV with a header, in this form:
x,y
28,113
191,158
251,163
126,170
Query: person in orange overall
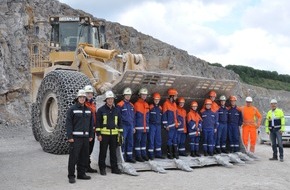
x,y
194,122
181,130
251,122
214,107
141,125
170,123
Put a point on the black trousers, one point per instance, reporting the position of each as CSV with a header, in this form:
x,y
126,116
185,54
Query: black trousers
x,y
78,155
91,147
111,142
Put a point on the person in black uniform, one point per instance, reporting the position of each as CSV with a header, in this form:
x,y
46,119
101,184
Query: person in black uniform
x,y
108,129
79,130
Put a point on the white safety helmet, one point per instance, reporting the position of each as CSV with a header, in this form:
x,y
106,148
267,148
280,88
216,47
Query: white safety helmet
x,y
273,101
81,92
89,88
143,91
223,98
249,99
109,94
127,91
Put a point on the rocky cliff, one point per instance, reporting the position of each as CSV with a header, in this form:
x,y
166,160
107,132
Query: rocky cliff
x,y
17,29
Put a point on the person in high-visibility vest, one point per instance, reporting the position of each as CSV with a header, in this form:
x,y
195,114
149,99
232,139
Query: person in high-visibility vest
x,y
108,130
251,123
275,126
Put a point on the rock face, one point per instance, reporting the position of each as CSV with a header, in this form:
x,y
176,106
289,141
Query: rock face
x,y
17,31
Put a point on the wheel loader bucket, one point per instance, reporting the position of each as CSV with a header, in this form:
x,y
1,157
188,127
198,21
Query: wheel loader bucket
x,y
190,87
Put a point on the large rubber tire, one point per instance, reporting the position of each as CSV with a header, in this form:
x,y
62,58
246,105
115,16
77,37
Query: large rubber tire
x,y
56,94
34,121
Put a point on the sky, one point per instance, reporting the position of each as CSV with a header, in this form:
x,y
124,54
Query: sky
x,y
253,33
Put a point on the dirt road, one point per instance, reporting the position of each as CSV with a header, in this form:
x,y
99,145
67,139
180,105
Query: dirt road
x,y
23,165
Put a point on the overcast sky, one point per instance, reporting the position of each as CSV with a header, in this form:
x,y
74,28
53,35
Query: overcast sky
x,y
253,33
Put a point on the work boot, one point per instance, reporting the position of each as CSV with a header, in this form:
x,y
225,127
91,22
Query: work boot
x,y
192,154
84,176
145,157
131,160
211,153
225,151
205,154
169,152
273,158
218,151
116,171
151,157
197,154
91,170
175,152
71,180
103,171
281,160
183,154
160,156
139,159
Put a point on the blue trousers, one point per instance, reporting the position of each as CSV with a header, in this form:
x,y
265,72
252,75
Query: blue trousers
x,y
194,143
140,143
234,137
181,142
275,137
154,140
172,136
208,139
127,146
221,136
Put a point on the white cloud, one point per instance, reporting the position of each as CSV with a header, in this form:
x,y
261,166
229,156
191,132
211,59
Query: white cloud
x,y
250,32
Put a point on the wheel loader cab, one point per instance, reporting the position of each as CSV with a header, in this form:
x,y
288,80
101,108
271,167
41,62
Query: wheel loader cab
x,y
68,32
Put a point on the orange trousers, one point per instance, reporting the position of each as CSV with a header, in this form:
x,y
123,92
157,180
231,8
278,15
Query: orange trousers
x,y
249,132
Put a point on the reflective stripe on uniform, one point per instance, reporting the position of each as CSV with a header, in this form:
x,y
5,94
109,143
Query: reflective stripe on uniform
x,y
143,148
181,149
129,153
78,111
80,133
150,150
137,148
88,111
105,118
105,131
172,125
157,149
141,128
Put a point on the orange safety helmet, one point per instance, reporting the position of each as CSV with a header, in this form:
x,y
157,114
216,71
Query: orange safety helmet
x,y
172,92
194,103
233,98
208,101
212,93
181,100
156,96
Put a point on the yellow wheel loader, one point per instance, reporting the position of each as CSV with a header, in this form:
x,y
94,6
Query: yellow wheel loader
x,y
78,55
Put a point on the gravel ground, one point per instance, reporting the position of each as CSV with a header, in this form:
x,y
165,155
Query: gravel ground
x,y
23,165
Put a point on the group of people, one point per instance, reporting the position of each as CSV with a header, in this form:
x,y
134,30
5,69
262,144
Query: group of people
x,y
137,128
